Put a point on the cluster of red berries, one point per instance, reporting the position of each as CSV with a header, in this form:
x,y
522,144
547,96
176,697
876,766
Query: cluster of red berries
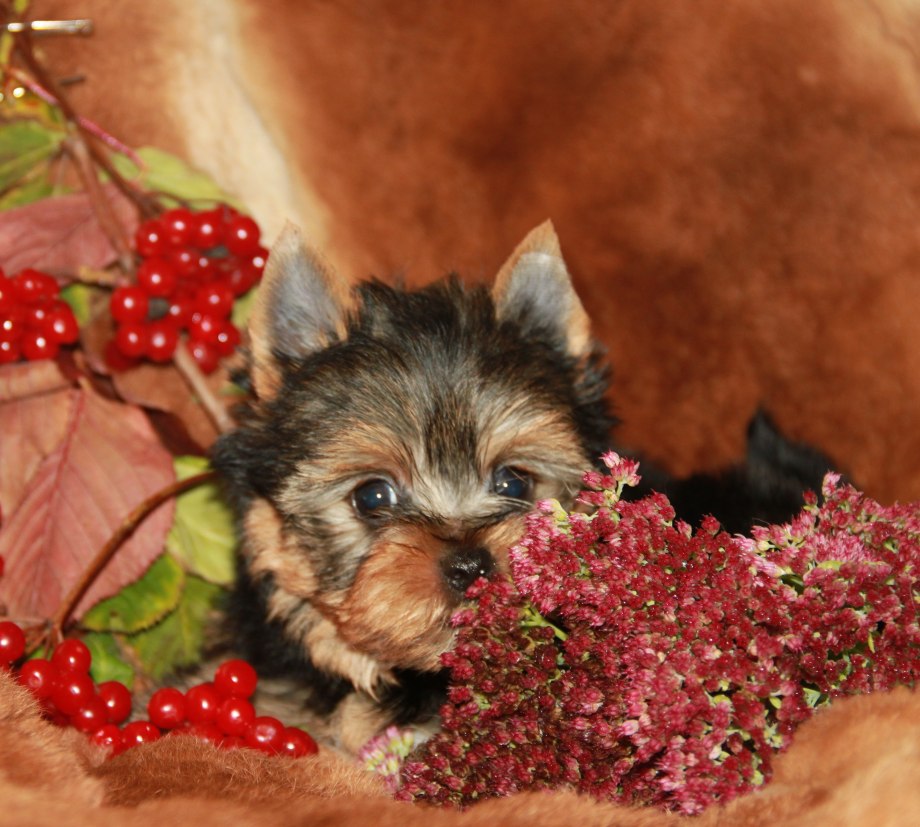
x,y
218,711
193,267
34,321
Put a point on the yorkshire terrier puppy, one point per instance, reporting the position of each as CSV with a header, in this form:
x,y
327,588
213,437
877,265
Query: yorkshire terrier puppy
x,y
393,446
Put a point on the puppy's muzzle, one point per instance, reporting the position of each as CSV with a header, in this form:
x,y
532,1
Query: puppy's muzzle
x,y
462,565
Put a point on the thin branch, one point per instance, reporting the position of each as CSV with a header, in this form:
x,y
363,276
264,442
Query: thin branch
x,y
148,206
78,150
90,126
122,533
195,379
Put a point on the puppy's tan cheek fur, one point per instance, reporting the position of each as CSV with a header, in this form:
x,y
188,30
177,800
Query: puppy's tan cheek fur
x,y
269,551
397,607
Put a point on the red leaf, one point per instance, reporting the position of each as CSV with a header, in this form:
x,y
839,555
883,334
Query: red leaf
x,y
60,233
22,379
106,462
24,446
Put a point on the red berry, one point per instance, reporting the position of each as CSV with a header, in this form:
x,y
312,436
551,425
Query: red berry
x,y
157,276
232,742
204,354
8,297
129,304
108,736
259,259
214,300
206,270
9,352
131,339
139,732
297,744
36,345
208,229
242,236
166,708
181,307
201,703
72,655
179,226
117,699
206,732
12,324
236,677
226,337
31,285
203,327
72,691
266,734
51,713
37,312
150,239
235,715
185,260
242,278
163,336
38,676
115,360
61,325
89,717
12,642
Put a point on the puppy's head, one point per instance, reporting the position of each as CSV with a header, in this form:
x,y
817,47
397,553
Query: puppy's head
x,y
396,441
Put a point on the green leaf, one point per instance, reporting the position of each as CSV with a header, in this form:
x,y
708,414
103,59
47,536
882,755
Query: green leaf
x,y
23,145
80,298
141,604
203,536
177,640
108,659
32,188
242,307
169,175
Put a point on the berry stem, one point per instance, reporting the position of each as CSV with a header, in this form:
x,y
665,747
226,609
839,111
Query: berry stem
x,y
125,530
90,126
98,278
189,371
79,152
146,204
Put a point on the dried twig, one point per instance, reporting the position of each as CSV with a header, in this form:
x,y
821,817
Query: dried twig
x,y
122,533
78,150
147,205
195,379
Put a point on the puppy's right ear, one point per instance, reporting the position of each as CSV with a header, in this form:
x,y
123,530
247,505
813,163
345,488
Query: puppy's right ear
x,y
302,305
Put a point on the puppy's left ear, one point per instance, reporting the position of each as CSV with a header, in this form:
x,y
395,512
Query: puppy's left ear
x,y
533,288
302,305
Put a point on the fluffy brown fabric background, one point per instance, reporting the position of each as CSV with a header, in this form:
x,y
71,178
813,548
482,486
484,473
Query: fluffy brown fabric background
x,y
736,190
853,765
735,184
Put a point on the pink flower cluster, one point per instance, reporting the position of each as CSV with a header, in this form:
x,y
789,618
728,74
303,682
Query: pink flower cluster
x,y
636,660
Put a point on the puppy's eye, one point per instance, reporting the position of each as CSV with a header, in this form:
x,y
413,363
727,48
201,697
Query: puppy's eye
x,y
512,482
373,498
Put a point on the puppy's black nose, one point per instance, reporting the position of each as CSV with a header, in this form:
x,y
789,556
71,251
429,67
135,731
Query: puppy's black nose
x,y
462,565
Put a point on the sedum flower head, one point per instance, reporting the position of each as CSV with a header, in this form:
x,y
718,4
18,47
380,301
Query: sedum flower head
x,y
636,660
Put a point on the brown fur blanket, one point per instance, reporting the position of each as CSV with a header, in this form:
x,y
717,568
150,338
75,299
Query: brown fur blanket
x,y
736,189
856,763
735,185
